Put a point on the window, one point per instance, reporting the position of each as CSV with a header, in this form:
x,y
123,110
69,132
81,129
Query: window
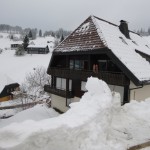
x,y
78,64
123,40
134,42
102,64
71,66
147,46
70,85
8,90
83,86
61,83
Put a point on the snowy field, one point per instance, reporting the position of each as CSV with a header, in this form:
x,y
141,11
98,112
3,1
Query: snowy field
x,y
16,67
97,122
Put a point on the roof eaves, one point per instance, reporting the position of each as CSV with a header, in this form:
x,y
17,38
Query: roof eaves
x,y
125,70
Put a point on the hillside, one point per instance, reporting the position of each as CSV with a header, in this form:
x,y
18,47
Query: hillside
x,y
17,67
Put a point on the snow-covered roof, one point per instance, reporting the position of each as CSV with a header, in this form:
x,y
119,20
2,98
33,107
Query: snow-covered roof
x,y
42,42
38,46
16,42
4,80
124,49
96,33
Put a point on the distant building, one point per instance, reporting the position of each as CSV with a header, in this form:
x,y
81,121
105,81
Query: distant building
x,y
14,46
101,49
37,49
7,86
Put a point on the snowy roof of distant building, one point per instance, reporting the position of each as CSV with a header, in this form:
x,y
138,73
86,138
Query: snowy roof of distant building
x,y
38,46
43,42
4,80
16,42
95,33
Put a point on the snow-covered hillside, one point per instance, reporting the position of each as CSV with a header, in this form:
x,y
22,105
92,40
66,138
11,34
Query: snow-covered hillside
x,y
17,67
97,122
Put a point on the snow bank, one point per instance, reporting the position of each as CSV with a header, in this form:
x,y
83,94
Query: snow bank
x,y
85,126
97,122
36,113
131,123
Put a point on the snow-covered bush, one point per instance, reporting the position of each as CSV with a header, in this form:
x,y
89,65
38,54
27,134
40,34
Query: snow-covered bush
x,y
35,81
20,51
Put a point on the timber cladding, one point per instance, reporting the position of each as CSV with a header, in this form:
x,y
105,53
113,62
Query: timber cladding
x,y
6,98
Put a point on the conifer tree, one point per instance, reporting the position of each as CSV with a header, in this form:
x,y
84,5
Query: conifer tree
x,y
25,42
30,35
62,38
40,33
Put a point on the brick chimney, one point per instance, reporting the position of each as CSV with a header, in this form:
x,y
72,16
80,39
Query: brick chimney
x,y
124,28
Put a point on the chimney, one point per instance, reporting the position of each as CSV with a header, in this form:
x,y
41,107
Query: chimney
x,y
124,28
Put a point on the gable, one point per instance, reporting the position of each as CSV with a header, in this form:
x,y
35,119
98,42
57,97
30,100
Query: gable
x,y
84,38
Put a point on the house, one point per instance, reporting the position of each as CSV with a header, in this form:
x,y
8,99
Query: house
x,y
14,44
48,40
7,86
100,49
37,49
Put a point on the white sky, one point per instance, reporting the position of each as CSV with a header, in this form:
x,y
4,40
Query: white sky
x,y
53,14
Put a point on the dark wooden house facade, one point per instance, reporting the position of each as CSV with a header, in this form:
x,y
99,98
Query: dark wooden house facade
x,y
6,93
37,49
86,52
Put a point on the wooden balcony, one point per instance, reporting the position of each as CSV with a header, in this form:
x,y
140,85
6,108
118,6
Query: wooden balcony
x,y
113,78
63,93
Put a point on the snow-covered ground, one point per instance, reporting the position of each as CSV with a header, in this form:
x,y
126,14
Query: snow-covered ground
x,y
17,67
97,122
36,113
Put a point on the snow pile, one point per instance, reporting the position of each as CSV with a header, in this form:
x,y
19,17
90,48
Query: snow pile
x,y
131,123
36,113
97,122
85,126
7,113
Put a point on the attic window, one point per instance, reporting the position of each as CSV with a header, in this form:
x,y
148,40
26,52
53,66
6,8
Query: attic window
x,y
134,42
123,40
147,46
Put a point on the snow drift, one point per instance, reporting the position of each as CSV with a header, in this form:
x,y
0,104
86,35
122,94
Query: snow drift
x,y
82,127
97,122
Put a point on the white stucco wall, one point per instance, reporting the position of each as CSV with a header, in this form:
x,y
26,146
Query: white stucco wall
x,y
60,102
139,94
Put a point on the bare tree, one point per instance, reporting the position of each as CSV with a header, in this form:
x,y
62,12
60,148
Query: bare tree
x,y
36,80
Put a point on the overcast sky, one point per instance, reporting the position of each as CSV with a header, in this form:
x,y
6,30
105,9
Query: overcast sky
x,y
68,14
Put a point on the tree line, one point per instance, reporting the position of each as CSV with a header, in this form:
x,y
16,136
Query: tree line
x,y
143,32
33,32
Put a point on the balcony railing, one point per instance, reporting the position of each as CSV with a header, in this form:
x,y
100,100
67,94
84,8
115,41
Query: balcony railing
x,y
63,93
114,78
